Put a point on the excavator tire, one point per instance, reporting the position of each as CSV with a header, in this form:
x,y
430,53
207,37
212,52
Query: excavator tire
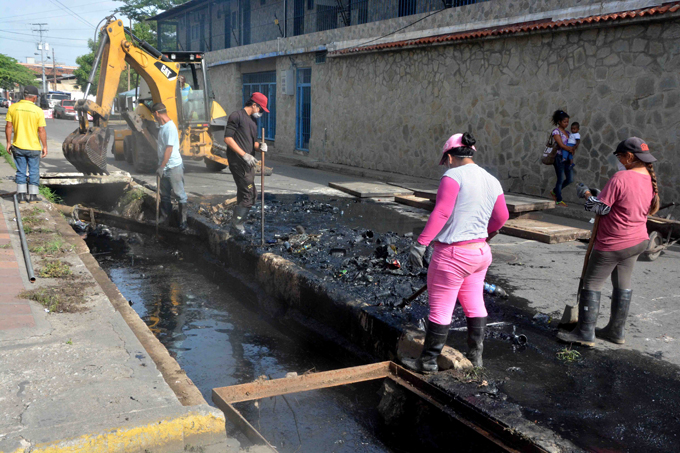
x,y
145,159
211,165
128,145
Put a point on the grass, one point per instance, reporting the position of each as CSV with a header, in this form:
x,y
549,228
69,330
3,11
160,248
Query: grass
x,y
28,229
69,341
45,297
475,374
6,246
8,158
568,355
51,247
49,195
55,269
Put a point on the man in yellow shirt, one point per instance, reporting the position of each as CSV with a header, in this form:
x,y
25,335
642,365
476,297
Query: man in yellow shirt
x,y
27,121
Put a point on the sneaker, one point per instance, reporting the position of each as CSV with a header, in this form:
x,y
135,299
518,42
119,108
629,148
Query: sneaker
x,y
561,203
552,194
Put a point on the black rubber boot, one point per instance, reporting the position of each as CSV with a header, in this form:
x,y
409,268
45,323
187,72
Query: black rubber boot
x,y
615,330
33,198
183,216
22,197
238,219
584,332
475,339
435,339
166,212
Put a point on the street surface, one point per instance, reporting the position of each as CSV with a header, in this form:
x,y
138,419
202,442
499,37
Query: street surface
x,y
540,277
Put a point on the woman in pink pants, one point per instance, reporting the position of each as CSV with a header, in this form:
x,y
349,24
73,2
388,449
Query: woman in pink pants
x,y
470,209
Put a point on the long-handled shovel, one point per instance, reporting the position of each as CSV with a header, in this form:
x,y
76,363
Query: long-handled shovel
x,y
158,201
262,188
570,315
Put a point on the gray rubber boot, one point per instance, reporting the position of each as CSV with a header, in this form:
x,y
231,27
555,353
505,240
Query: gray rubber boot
x,y
22,195
435,340
588,309
475,339
183,216
615,330
166,212
238,219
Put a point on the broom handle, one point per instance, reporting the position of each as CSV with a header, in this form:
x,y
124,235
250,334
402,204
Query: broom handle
x,y
586,260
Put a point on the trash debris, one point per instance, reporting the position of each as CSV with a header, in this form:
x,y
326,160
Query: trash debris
x,y
542,318
495,290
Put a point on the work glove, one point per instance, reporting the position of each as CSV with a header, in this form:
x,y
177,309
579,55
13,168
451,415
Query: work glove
x,y
595,192
416,254
159,172
250,160
263,147
581,190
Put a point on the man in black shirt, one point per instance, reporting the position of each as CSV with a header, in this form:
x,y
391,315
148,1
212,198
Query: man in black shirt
x,y
241,139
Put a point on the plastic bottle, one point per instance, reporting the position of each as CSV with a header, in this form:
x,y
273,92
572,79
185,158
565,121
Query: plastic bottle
x,y
495,290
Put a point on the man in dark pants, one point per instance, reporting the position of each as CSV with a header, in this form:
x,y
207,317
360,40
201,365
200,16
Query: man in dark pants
x,y
26,121
241,139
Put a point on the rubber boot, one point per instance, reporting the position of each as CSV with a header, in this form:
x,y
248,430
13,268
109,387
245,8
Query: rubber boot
x,y
615,330
475,339
183,216
33,194
584,332
435,340
166,212
22,196
238,219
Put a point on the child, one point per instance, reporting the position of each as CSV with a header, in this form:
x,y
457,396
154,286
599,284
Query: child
x,y
573,140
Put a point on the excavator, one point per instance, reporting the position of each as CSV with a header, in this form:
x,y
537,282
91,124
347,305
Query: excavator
x,y
198,117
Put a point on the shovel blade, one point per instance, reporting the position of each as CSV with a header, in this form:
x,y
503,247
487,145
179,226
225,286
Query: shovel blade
x,y
569,317
87,152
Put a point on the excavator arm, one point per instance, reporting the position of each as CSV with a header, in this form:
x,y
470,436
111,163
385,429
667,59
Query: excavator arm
x,y
87,147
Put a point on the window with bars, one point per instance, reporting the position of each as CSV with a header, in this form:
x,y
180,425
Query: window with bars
x,y
265,83
303,109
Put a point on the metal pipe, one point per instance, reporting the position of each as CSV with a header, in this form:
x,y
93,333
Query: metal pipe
x,y
206,95
95,64
24,245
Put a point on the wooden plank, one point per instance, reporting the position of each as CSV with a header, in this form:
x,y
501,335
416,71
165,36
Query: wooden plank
x,y
524,203
548,233
423,190
312,381
369,189
416,202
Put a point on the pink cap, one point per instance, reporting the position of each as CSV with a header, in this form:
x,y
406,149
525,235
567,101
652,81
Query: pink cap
x,y
455,141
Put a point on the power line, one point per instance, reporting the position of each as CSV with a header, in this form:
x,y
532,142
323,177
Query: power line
x,y
57,9
50,37
50,17
33,42
73,12
402,28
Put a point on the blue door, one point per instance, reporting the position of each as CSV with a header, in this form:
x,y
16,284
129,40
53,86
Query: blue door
x,y
304,109
265,83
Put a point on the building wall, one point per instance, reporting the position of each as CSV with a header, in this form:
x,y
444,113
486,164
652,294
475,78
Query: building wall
x,y
393,111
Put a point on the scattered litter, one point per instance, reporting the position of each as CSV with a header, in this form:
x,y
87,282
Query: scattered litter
x,y
542,318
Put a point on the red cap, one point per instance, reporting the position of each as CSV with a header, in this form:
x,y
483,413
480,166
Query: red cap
x,y
261,100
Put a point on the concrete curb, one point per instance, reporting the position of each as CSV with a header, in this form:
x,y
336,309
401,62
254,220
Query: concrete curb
x,y
198,429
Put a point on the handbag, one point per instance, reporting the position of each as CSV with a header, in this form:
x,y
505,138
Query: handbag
x,y
550,151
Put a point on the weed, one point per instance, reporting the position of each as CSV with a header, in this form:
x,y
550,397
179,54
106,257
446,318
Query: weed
x,y
8,158
49,195
475,374
568,355
36,210
55,269
6,246
43,296
51,247
28,229
30,220
69,341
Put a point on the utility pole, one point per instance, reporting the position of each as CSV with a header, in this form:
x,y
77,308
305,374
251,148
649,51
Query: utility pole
x,y
41,30
128,65
54,70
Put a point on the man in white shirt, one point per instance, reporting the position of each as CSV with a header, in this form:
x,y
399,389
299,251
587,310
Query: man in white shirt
x,y
170,169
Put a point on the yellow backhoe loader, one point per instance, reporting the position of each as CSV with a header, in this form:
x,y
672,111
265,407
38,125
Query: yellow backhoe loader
x,y
199,118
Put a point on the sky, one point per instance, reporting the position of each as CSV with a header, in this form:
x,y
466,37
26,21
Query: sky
x,y
67,31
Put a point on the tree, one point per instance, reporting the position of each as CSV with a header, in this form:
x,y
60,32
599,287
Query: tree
x,y
12,73
140,10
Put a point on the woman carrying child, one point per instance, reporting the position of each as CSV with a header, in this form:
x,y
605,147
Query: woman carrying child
x,y
562,166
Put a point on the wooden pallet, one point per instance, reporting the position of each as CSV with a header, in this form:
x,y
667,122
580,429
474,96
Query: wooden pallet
x,y
549,233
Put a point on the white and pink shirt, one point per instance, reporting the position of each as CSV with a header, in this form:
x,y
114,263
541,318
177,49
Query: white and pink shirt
x,y
470,205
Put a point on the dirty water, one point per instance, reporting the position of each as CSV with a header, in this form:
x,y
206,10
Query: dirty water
x,y
219,342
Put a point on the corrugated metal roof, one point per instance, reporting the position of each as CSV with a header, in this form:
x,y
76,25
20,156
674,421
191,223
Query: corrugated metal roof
x,y
515,28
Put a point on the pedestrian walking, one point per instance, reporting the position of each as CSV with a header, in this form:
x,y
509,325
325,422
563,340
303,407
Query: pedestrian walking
x,y
563,168
241,139
623,205
26,121
470,209
170,167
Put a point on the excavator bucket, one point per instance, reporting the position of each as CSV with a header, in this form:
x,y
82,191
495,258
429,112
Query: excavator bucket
x,y
87,152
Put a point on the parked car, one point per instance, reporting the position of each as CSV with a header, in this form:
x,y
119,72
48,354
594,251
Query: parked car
x,y
4,102
65,109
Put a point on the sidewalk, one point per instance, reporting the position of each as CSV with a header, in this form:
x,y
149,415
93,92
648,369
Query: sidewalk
x,y
74,375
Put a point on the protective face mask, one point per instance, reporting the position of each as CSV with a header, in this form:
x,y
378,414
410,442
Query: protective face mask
x,y
257,115
620,166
